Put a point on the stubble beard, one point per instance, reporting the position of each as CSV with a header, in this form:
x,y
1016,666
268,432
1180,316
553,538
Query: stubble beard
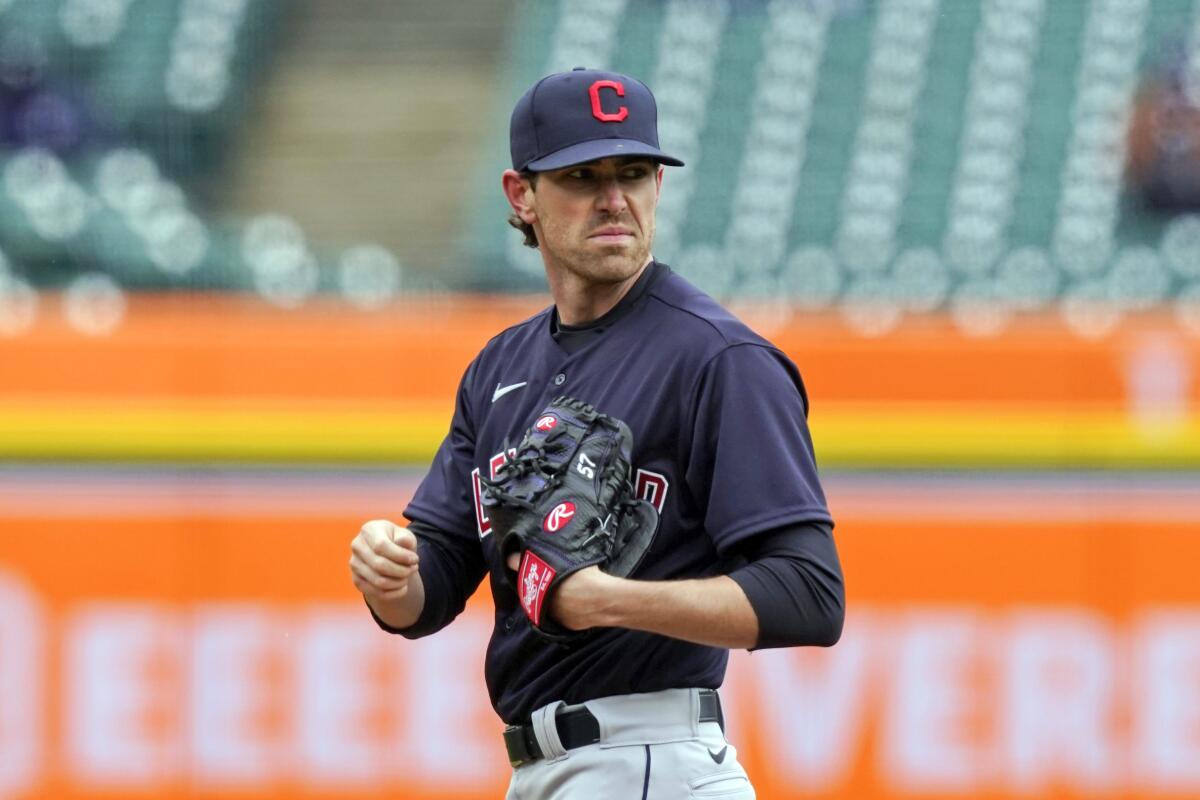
x,y
603,267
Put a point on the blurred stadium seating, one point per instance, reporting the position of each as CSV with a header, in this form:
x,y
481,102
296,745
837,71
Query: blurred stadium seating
x,y
898,155
908,153
116,112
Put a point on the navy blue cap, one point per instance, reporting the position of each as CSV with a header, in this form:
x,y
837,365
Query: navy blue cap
x,y
572,117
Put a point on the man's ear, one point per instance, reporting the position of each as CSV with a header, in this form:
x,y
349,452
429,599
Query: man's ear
x,y
658,179
519,193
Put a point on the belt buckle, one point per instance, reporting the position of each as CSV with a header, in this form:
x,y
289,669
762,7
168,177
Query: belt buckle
x,y
515,744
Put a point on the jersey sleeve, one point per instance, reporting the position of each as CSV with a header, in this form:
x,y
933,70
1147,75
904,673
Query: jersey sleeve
x,y
794,584
751,465
442,514
444,498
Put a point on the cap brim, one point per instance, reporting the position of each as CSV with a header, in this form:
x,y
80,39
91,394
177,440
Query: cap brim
x,y
600,148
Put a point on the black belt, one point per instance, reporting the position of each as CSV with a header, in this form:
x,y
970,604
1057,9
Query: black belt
x,y
579,727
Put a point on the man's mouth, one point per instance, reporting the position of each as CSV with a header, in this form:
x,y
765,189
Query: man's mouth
x,y
612,235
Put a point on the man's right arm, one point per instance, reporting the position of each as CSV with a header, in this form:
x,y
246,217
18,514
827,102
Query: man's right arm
x,y
384,566
415,580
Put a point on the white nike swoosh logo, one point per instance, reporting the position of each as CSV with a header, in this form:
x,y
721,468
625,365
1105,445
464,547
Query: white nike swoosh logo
x,y
503,390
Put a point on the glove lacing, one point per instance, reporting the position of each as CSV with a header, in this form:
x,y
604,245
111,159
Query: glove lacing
x,y
531,459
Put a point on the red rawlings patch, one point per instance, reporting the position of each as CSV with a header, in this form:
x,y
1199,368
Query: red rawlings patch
x,y
546,423
534,577
558,517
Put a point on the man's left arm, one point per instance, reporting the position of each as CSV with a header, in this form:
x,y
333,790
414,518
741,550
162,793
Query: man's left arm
x,y
790,593
711,611
751,409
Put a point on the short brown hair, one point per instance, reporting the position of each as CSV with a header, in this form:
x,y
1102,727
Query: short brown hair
x,y
524,227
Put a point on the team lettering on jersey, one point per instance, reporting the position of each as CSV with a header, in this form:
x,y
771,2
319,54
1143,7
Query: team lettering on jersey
x,y
649,486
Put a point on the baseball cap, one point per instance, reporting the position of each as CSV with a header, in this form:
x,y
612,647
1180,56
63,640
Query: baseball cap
x,y
572,117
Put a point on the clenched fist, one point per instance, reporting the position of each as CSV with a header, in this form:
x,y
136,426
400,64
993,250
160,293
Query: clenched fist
x,y
383,566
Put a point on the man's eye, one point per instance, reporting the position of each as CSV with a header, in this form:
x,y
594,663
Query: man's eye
x,y
636,174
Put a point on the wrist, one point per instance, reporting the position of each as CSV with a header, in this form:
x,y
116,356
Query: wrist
x,y
589,598
398,613
614,599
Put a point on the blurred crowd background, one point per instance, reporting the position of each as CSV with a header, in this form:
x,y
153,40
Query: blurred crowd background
x,y
247,248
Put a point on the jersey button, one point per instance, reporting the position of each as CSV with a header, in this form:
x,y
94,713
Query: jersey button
x,y
560,379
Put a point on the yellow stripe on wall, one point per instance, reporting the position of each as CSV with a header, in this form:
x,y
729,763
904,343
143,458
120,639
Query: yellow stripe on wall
x,y
1004,438
198,434
843,437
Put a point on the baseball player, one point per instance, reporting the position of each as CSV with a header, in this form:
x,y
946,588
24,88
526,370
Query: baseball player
x,y
742,554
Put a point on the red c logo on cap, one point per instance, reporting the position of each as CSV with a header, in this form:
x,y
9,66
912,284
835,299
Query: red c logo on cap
x,y
597,111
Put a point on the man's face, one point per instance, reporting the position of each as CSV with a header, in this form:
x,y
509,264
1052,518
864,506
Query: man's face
x,y
597,219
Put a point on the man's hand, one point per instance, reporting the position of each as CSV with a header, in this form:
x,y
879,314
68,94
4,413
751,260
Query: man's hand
x,y
578,601
581,600
383,566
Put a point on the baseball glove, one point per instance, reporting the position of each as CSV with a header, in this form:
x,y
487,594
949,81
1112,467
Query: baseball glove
x,y
563,500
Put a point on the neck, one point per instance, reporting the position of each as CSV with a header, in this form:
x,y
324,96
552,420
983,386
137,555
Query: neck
x,y
579,301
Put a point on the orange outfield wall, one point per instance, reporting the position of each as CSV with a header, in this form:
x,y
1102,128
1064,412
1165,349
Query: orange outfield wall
x,y
163,639
226,346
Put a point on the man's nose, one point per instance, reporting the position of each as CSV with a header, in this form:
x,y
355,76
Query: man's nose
x,y
611,197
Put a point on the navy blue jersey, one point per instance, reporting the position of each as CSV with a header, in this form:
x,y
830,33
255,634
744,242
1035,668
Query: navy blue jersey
x,y
721,447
